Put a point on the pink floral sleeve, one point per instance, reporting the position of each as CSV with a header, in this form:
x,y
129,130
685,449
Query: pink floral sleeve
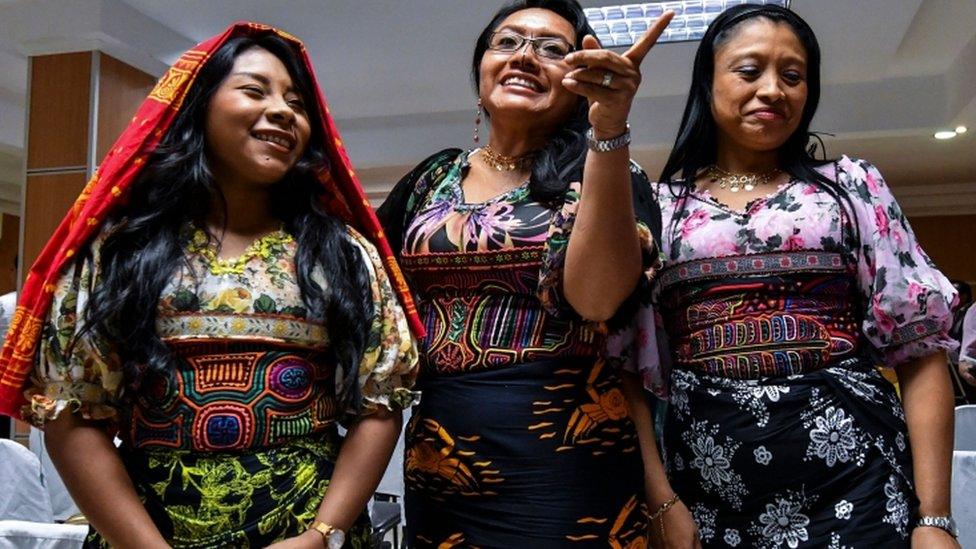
x,y
909,302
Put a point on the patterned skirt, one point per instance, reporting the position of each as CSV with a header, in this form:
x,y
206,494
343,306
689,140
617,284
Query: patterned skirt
x,y
540,454
236,500
813,460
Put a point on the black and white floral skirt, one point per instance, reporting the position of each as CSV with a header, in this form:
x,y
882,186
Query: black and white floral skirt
x,y
813,460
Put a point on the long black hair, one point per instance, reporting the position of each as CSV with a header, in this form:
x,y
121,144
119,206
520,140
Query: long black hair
x,y
696,145
566,149
145,242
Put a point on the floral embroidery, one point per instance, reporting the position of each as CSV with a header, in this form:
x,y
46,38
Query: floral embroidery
x,y
784,523
835,542
713,461
705,519
842,510
834,438
763,456
260,248
896,505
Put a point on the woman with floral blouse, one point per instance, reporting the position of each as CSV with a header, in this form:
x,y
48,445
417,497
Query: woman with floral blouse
x,y
218,299
518,252
787,281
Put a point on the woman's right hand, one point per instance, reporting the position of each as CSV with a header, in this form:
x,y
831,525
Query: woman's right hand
x,y
678,527
967,371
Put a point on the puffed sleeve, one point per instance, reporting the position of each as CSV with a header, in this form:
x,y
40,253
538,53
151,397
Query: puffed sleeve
x,y
389,365
557,240
908,301
636,341
74,368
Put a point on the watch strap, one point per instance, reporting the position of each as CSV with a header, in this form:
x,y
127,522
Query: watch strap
x,y
946,523
607,145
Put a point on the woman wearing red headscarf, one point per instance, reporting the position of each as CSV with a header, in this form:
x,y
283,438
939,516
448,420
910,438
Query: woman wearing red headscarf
x,y
212,300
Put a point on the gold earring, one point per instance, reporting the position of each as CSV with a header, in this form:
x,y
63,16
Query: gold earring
x,y
477,120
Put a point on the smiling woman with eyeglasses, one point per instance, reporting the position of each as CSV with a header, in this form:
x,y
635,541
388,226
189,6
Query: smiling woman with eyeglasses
x,y
525,256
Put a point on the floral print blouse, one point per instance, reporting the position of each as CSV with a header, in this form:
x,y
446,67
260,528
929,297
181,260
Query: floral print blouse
x,y
908,301
447,221
254,298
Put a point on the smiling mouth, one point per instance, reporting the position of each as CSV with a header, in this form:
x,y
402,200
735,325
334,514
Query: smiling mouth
x,y
519,82
286,143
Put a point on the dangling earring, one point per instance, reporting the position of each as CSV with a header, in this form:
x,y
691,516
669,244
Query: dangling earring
x,y
477,120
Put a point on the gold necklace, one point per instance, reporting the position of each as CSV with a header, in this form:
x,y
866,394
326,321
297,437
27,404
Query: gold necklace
x,y
504,163
740,181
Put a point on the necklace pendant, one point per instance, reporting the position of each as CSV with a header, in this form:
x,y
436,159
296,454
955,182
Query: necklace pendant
x,y
737,182
504,163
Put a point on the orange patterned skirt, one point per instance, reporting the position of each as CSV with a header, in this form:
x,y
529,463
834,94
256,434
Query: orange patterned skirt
x,y
541,452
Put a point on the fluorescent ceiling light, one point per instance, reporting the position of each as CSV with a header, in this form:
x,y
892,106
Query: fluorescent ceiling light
x,y
960,129
947,134
621,25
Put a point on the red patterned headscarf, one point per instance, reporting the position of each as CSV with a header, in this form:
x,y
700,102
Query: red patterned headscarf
x,y
344,197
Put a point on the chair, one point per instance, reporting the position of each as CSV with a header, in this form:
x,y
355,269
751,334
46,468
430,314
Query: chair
x,y
26,519
964,495
62,505
965,438
385,510
25,497
385,515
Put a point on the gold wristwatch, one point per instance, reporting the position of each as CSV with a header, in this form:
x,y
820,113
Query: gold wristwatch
x,y
332,537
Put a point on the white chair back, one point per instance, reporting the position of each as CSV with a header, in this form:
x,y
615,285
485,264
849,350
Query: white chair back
x,y
965,438
964,495
61,503
25,497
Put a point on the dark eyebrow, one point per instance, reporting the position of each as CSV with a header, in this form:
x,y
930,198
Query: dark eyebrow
x,y
522,30
259,77
758,54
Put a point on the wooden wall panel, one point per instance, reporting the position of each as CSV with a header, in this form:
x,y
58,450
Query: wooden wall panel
x,y
950,241
9,242
48,198
121,89
60,92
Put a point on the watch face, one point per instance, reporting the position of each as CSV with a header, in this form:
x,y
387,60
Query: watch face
x,y
337,538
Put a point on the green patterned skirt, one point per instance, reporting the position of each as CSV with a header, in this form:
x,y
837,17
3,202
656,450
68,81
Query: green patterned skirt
x,y
251,499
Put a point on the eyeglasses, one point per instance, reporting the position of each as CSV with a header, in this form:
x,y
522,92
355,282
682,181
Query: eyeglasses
x,y
550,47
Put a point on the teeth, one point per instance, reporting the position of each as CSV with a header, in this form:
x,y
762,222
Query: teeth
x,y
274,139
516,81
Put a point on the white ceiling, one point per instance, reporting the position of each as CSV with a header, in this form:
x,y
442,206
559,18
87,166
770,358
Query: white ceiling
x,y
396,75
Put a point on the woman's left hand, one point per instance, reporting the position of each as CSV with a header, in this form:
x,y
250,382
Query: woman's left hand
x,y
306,540
609,80
927,537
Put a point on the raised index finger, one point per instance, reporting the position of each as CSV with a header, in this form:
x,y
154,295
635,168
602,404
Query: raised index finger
x,y
637,52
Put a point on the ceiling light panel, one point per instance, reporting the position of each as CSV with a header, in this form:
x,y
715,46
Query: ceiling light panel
x,y
621,25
